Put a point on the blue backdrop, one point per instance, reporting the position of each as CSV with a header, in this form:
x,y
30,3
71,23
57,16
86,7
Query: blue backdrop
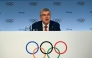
x,y
18,15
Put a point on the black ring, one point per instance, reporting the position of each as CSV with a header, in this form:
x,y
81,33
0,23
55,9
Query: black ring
x,y
49,43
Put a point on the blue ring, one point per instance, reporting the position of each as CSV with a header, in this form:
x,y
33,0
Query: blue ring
x,y
29,43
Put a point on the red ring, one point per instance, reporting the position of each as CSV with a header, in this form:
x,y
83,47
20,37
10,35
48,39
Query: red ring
x,y
64,44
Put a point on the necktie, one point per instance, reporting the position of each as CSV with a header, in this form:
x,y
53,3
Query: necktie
x,y
46,27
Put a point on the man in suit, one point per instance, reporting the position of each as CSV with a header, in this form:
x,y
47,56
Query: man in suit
x,y
45,24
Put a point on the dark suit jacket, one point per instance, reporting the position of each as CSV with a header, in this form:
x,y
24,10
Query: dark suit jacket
x,y
53,26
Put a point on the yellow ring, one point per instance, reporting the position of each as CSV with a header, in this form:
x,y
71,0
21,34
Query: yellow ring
x,y
42,49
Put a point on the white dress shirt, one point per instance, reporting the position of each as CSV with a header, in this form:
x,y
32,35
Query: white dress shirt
x,y
44,28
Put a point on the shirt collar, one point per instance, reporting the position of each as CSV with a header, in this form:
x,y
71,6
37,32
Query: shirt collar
x,y
44,24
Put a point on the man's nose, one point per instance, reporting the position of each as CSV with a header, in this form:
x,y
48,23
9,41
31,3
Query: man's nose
x,y
46,17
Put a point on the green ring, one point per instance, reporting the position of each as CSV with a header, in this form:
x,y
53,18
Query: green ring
x,y
51,48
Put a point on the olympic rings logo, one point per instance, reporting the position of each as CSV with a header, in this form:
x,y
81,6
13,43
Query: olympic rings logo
x,y
57,20
9,20
57,3
48,51
33,3
82,20
9,3
81,3
33,20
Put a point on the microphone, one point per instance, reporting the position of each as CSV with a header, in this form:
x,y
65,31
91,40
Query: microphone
x,y
27,28
35,29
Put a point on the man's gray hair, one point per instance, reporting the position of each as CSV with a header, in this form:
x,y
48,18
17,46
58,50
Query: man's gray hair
x,y
44,9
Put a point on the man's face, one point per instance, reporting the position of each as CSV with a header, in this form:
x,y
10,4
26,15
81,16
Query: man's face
x,y
45,17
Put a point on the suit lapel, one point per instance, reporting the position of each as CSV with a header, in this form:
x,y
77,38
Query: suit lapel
x,y
50,26
40,27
